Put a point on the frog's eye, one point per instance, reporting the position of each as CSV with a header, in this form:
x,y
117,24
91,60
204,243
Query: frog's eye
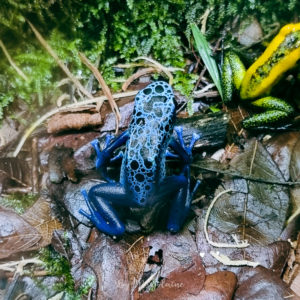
x,y
159,89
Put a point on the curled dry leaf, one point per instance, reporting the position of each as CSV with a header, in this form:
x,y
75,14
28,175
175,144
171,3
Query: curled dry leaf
x,y
16,235
72,121
39,216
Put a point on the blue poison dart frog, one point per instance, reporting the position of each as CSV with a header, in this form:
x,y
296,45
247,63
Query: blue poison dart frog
x,y
143,180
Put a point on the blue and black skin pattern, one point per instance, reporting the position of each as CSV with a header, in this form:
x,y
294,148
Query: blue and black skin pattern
x,y
143,181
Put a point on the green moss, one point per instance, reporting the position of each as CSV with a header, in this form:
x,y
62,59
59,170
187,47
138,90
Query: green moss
x,y
57,265
111,31
18,202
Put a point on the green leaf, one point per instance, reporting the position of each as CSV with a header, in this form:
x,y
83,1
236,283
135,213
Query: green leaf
x,y
206,55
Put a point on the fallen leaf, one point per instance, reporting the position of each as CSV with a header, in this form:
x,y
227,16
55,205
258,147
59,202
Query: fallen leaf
x,y
39,216
16,235
182,283
107,259
273,256
218,286
177,250
261,283
281,148
254,211
295,176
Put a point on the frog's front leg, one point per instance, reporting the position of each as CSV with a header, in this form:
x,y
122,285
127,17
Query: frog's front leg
x,y
102,214
104,157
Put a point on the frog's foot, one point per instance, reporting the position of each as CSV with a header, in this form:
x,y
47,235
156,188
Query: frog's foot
x,y
197,184
180,208
171,155
120,155
102,215
195,137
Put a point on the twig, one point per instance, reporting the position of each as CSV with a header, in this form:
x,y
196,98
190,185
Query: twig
x,y
228,262
61,98
146,282
293,216
35,165
204,18
246,177
198,94
12,63
140,238
18,266
137,75
105,88
59,62
238,244
133,65
61,109
160,66
253,157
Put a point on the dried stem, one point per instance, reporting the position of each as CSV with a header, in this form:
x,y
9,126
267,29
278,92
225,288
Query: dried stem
x,y
136,75
59,62
12,63
238,244
159,66
104,86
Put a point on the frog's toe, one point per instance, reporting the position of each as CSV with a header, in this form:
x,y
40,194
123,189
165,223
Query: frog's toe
x,y
173,228
194,139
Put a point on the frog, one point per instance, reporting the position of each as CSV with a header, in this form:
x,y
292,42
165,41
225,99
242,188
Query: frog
x,y
143,181
282,54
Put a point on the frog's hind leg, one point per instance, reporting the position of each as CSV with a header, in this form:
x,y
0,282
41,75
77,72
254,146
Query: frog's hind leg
x,y
101,213
177,188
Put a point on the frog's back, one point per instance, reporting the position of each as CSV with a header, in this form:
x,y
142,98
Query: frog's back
x,y
150,130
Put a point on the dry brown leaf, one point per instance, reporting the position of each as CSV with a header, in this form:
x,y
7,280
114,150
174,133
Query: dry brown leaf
x,y
39,216
16,235
136,256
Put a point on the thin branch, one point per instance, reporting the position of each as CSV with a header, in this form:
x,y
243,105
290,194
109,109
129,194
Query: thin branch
x,y
146,282
18,266
59,62
225,260
253,158
105,88
136,75
61,109
140,238
242,244
12,63
133,65
159,66
246,177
